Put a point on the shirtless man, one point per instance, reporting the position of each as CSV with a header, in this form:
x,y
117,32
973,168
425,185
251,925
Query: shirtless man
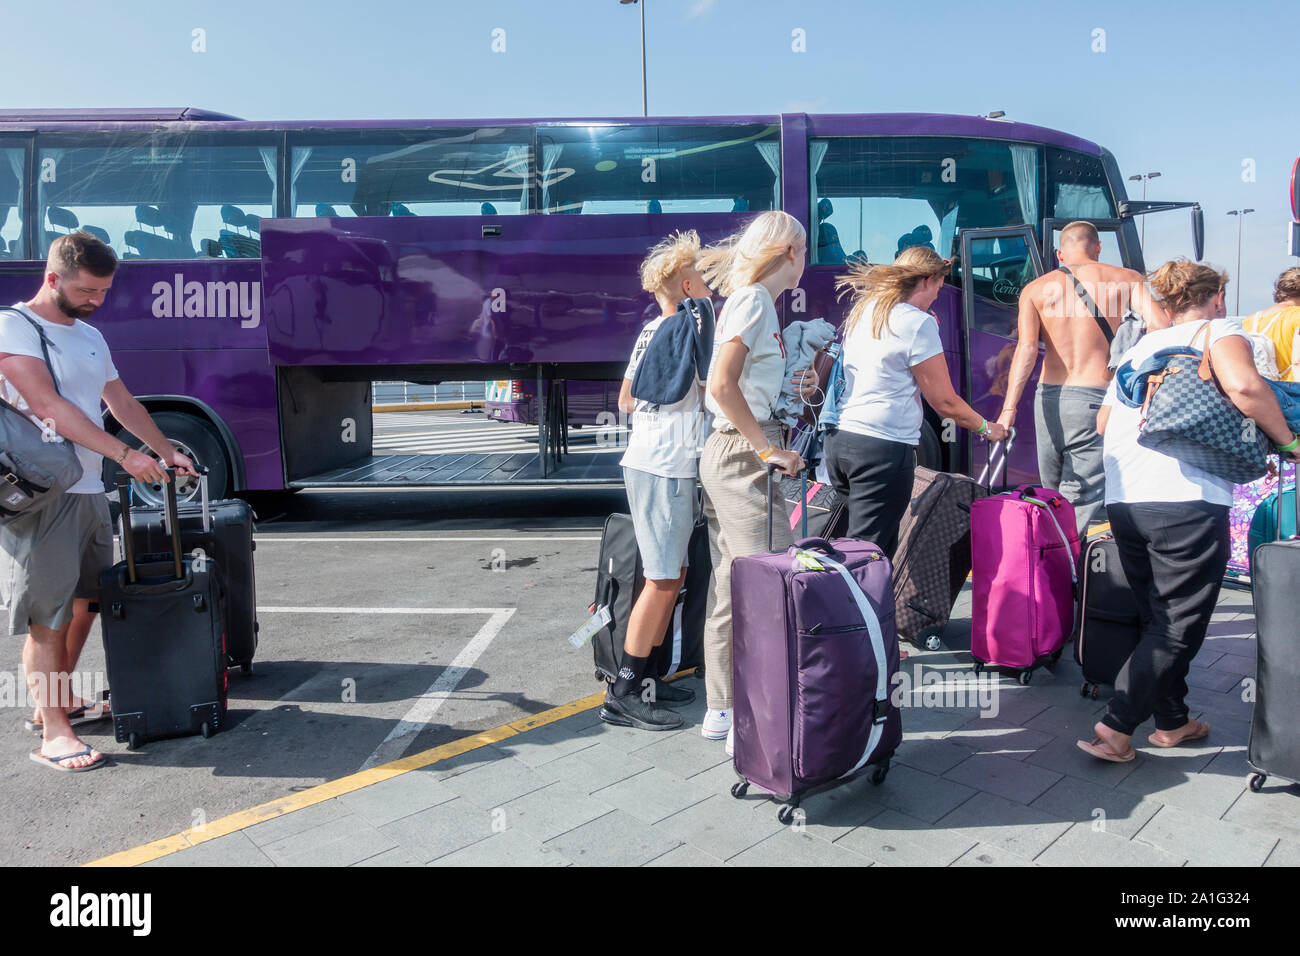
x,y
1075,374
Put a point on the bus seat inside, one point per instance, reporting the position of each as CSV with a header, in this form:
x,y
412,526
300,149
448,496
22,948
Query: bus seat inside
x,y
325,211
487,209
829,250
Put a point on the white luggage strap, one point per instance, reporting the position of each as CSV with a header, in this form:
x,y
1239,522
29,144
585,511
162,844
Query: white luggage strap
x,y
880,710
1051,513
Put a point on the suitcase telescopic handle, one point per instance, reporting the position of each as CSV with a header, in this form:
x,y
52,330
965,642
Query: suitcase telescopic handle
x,y
989,475
172,511
1281,485
123,482
771,502
203,497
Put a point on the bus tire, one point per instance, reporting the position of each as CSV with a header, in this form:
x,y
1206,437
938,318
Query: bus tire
x,y
192,436
929,453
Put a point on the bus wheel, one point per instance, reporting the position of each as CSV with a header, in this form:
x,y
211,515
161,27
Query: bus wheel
x,y
929,453
192,437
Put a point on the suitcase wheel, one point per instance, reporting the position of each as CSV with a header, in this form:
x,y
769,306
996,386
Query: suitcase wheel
x,y
246,667
1257,782
932,642
1096,689
786,814
206,730
1023,677
600,677
739,788
200,604
880,773
1083,691
979,667
133,741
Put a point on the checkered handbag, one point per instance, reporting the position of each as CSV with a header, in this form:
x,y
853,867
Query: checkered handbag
x,y
1186,416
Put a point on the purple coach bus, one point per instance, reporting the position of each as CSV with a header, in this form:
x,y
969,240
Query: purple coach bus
x,y
271,271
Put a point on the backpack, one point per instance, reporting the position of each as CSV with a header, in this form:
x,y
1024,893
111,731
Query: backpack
x,y
678,354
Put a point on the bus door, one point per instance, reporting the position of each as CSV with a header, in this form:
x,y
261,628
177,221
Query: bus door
x,y
995,264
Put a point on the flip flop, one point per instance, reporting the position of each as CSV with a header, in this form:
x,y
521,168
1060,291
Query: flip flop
x,y
1102,751
1202,731
54,762
77,717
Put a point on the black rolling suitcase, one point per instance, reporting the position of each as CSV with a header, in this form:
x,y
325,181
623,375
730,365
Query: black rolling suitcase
x,y
222,530
619,580
164,624
1274,748
1107,629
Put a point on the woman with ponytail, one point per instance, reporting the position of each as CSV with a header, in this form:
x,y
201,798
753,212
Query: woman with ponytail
x,y
891,353
752,269
1170,518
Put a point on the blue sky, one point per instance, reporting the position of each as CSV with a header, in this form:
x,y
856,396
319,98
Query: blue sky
x,y
1192,89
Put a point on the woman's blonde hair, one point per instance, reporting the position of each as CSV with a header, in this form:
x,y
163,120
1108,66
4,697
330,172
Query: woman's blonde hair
x,y
668,258
887,285
1184,285
751,254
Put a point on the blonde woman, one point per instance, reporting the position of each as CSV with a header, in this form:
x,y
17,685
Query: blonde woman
x,y
659,471
892,356
752,269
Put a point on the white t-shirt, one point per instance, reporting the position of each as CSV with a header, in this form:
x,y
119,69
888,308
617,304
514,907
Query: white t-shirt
x,y
750,315
665,439
1135,473
881,399
82,367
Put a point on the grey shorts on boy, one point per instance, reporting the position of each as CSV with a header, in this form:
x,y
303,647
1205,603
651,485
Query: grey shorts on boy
x,y
663,516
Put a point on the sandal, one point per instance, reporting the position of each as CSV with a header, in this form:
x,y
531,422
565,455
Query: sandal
x,y
1103,751
1202,731
56,763
85,714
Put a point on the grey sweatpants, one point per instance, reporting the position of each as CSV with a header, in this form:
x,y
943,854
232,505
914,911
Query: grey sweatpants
x,y
1069,448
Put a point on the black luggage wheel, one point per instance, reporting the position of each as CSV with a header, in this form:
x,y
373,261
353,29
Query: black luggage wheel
x,y
786,814
1023,677
206,730
739,789
979,667
246,667
133,741
930,639
1257,782
880,773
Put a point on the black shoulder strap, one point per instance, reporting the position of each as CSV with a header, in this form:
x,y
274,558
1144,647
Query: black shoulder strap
x,y
1091,305
45,345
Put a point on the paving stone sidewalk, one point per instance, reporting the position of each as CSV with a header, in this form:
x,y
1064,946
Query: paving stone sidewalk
x,y
964,790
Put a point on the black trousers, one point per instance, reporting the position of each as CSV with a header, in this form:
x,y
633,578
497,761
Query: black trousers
x,y
875,477
1174,555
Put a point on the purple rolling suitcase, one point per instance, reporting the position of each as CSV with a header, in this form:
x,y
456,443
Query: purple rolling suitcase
x,y
814,652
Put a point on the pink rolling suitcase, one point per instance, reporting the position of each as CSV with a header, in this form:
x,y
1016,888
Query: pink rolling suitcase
x,y
1024,565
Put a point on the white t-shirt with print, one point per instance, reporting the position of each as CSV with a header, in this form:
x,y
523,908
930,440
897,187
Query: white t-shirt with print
x,y
881,398
82,367
665,439
750,315
1137,474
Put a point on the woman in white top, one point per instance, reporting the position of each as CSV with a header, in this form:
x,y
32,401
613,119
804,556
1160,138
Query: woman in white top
x,y
892,356
1170,519
751,269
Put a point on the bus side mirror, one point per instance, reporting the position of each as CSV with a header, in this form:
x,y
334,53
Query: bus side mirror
x,y
1198,232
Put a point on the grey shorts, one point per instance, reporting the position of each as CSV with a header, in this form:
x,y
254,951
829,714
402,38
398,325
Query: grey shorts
x,y
50,558
663,516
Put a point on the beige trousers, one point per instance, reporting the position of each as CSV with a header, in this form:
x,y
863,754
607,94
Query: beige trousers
x,y
735,488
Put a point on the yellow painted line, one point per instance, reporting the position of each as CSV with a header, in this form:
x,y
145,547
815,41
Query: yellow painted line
x,y
423,406
1099,528
335,788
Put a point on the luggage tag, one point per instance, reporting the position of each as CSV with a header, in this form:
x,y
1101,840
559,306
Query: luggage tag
x,y
809,561
594,625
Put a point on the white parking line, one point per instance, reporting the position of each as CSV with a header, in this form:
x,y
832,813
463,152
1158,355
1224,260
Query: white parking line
x,y
418,717
427,704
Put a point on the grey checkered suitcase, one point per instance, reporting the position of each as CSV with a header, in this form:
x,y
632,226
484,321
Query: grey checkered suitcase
x,y
932,560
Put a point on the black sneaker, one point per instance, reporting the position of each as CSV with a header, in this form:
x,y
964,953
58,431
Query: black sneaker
x,y
666,693
631,711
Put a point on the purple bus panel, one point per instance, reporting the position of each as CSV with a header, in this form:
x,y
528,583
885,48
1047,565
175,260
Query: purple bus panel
x,y
192,329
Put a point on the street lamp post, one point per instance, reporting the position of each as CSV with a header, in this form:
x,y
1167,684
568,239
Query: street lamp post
x,y
1143,226
644,108
1241,215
